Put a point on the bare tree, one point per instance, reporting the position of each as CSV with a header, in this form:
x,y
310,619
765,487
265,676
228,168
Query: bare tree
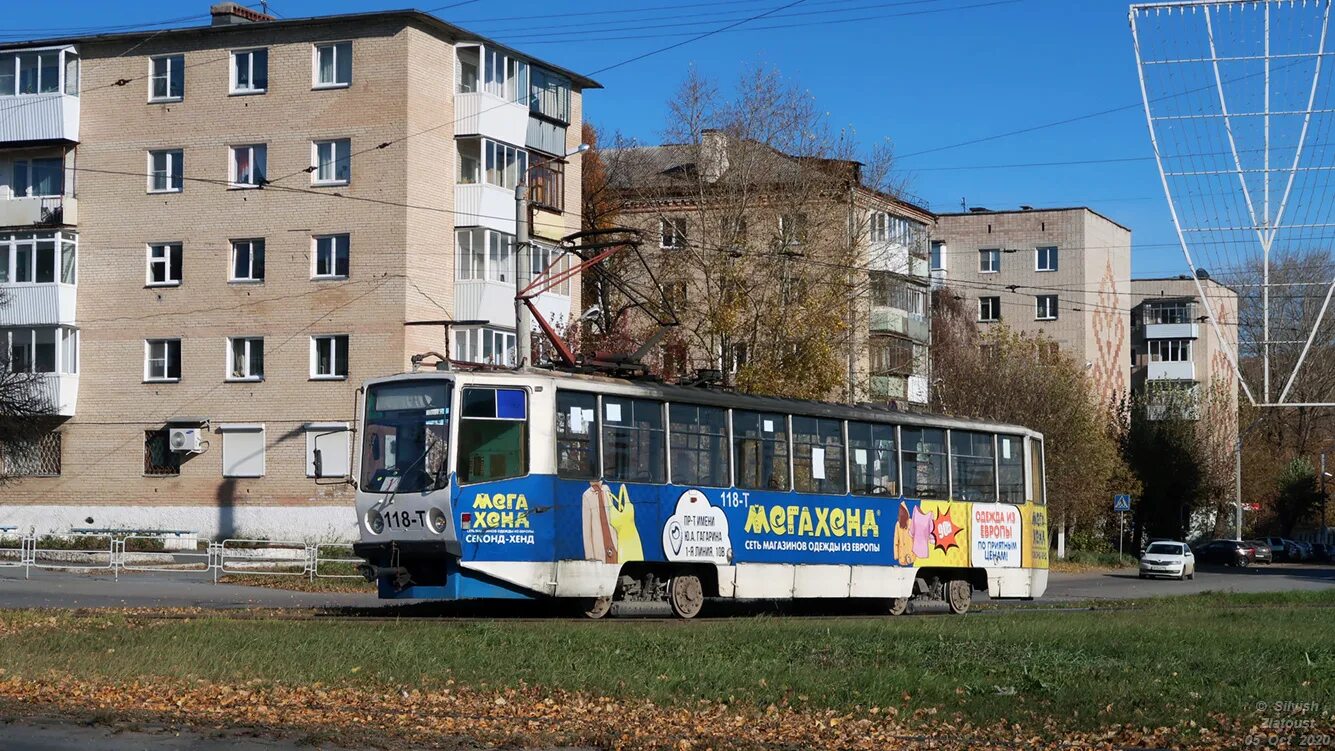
x,y
25,410
754,213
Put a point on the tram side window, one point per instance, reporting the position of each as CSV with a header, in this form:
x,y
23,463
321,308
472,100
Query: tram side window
x,y
760,450
973,466
1010,468
924,457
576,435
633,440
874,467
699,445
818,455
493,434
1036,465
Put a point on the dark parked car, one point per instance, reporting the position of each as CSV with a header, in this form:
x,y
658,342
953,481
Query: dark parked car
x,y
1261,552
1225,553
1322,552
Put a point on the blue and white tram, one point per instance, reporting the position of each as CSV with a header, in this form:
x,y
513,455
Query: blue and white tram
x,y
537,484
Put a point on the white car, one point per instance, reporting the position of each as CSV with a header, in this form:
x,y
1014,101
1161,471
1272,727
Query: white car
x,y
1168,559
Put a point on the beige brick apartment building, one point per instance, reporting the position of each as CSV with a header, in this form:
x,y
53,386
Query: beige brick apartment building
x,y
728,204
227,228
1063,272
1177,356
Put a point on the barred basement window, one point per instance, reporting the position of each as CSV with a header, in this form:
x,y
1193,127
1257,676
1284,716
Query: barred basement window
x,y
41,459
159,459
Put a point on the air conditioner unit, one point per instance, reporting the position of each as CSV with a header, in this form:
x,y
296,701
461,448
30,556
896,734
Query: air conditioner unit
x,y
186,440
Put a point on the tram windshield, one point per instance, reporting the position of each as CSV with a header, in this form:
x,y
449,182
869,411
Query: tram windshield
x,y
405,445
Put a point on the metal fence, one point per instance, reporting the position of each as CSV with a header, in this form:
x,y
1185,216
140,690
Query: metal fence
x,y
174,551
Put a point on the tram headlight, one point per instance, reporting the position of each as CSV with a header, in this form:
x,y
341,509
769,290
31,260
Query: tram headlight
x,y
438,521
375,522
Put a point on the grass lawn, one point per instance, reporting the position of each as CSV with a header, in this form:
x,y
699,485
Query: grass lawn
x,y
1186,665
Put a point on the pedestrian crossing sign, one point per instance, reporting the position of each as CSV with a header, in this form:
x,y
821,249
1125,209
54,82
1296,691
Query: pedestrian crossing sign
x,y
1121,502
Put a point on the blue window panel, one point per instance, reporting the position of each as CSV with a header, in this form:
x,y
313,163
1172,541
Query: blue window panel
x,y
510,404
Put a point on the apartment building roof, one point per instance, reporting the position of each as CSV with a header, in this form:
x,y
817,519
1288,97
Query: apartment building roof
x,y
985,212
663,168
253,21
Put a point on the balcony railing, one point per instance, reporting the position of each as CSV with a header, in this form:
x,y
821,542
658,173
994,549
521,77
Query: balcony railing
x,y
1172,331
1171,371
39,117
481,114
39,211
38,305
61,391
484,205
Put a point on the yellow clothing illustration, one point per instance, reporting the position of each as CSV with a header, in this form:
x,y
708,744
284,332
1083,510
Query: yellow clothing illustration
x,y
622,519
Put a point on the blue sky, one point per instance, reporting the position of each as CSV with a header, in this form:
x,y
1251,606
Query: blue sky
x,y
955,71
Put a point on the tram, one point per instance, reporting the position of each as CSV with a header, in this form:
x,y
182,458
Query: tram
x,y
534,484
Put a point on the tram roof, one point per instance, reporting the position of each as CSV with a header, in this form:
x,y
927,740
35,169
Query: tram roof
x,y
718,398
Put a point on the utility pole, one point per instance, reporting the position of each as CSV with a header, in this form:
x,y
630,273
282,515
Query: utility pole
x,y
523,340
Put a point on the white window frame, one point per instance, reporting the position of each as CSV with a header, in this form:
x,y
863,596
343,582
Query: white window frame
x,y
996,313
174,169
256,152
508,162
337,47
231,261
234,89
166,358
880,227
333,357
229,373
335,145
233,466
1038,258
1170,350
936,256
172,275
316,253
990,253
321,435
1045,308
171,61
473,344
673,227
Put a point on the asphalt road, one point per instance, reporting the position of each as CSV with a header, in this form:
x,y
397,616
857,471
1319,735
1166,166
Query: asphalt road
x,y
56,589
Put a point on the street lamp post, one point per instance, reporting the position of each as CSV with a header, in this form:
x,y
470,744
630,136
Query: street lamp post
x,y
523,326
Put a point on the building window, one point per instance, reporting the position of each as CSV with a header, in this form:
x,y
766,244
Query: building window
x,y
248,166
166,81
162,359
332,439
890,355
333,65
329,356
34,178
331,257
333,162
247,261
242,450
880,226
31,73
792,229
164,264
166,171
250,71
1045,307
470,161
503,76
40,350
1170,350
989,309
551,95
1045,258
672,232
892,291
1178,311
989,260
159,459
38,258
38,459
547,183
938,257
506,165
245,358
484,345
485,254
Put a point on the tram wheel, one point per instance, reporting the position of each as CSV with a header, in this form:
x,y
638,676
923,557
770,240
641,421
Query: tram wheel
x,y
959,596
596,607
899,605
686,595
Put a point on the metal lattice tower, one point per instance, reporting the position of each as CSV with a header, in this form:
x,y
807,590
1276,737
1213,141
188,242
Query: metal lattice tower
x,y
1238,99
